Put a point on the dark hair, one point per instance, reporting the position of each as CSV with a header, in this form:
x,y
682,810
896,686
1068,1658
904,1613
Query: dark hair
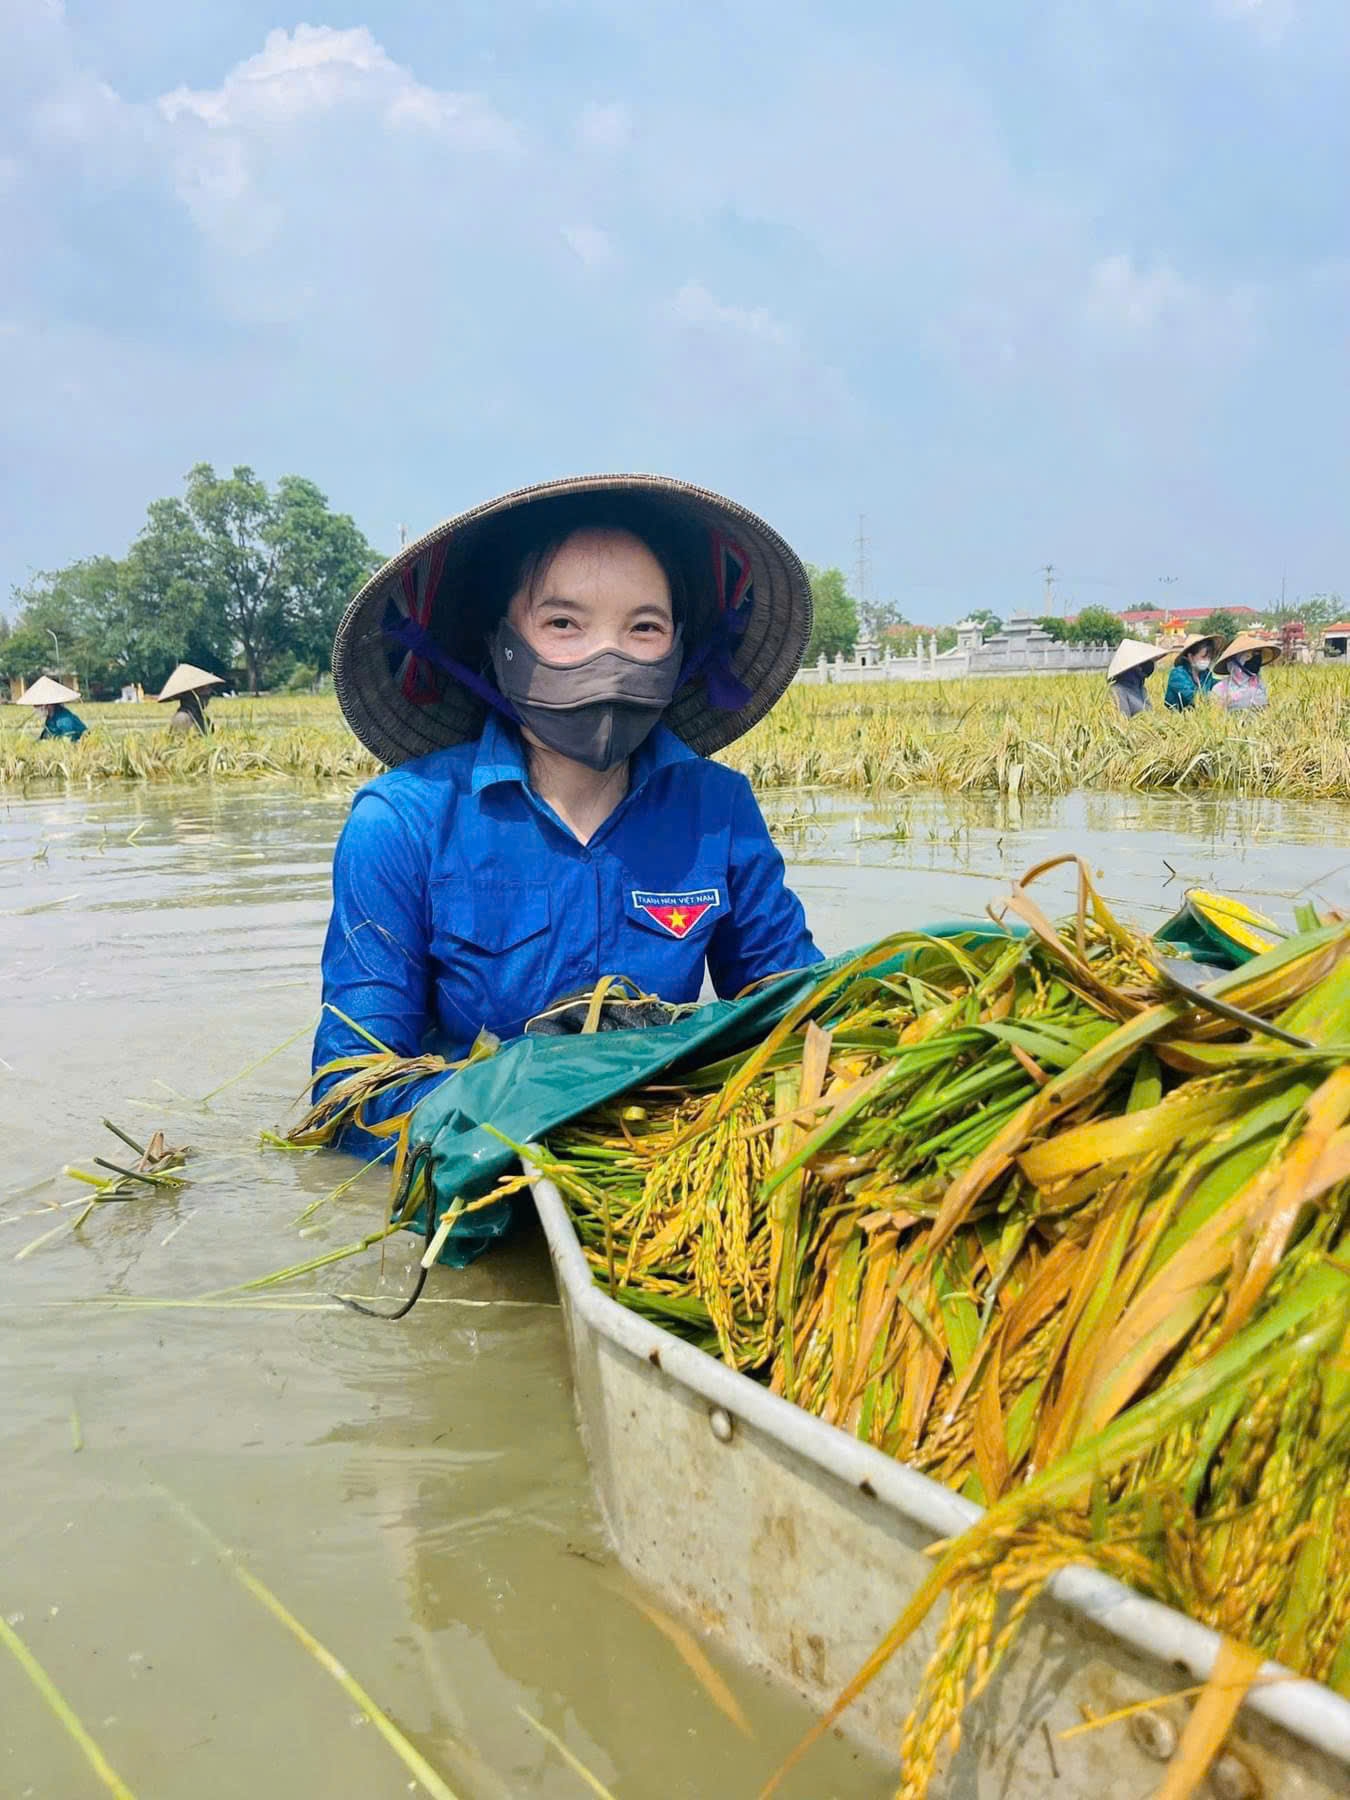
x,y
516,548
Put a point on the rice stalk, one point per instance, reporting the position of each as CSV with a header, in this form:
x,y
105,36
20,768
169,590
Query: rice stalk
x,y
1066,1241
60,1707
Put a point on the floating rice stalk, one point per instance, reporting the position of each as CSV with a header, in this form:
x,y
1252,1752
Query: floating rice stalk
x,y
56,1231
335,1193
304,1031
412,1758
57,1704
295,1270
573,1762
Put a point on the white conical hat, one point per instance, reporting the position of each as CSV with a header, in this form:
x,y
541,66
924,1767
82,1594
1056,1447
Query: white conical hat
x,y
46,692
188,679
1130,654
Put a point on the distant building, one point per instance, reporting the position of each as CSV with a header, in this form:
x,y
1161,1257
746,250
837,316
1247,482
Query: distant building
x,y
1336,640
1178,621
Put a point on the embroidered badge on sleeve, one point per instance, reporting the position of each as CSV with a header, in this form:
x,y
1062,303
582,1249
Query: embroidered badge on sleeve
x,y
677,913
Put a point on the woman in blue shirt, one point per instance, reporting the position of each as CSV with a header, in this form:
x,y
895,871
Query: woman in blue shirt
x,y
546,676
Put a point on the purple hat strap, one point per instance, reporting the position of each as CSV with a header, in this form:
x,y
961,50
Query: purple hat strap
x,y
416,638
733,581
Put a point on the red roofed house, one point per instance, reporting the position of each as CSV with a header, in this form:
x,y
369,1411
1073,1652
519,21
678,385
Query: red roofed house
x,y
1336,639
1177,621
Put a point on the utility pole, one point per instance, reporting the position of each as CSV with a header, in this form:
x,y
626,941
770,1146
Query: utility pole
x,y
402,536
1048,571
860,572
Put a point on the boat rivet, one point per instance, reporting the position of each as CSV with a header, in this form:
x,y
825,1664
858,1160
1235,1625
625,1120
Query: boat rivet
x,y
1231,1779
1155,1734
720,1420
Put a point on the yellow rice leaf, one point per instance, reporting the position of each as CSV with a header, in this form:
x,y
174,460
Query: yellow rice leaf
x,y
1104,1142
1235,1668
1286,1183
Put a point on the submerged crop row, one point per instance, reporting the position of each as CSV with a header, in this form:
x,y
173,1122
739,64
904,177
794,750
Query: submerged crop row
x,y
1036,734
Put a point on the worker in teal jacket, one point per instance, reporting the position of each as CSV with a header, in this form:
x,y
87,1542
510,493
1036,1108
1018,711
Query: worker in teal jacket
x,y
61,722
1192,673
49,698
547,676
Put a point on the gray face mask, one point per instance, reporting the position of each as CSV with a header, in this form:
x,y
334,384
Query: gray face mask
x,y
596,711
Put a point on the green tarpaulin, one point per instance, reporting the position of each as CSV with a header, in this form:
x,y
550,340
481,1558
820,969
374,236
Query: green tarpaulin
x,y
535,1084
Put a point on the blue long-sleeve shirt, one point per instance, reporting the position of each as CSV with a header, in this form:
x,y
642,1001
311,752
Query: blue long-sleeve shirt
x,y
461,900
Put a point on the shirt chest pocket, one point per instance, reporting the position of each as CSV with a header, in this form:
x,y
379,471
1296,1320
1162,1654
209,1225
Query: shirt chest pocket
x,y
491,917
493,946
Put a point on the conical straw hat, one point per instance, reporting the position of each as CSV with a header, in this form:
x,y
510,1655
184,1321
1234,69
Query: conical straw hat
x,y
1244,643
46,692
1130,654
1193,643
402,698
187,679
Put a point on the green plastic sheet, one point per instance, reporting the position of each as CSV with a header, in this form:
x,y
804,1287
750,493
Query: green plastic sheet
x,y
533,1085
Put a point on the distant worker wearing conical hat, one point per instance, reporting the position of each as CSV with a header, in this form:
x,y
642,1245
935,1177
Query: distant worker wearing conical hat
x,y
1238,682
58,720
191,688
547,676
1192,674
1131,666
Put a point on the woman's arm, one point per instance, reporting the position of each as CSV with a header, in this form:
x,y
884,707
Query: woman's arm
x,y
376,956
764,932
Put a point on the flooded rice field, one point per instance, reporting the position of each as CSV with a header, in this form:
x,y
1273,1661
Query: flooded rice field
x,y
415,1494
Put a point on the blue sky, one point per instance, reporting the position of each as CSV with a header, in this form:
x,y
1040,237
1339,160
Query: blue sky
x,y
1067,281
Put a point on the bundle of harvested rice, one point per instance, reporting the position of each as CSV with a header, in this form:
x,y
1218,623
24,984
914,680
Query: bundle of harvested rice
x,y
1030,1217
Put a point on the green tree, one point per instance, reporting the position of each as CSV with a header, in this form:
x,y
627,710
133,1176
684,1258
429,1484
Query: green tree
x,y
234,518
988,622
324,558
1317,611
879,618
1055,629
276,569
160,614
58,627
1095,625
229,568
1221,625
834,626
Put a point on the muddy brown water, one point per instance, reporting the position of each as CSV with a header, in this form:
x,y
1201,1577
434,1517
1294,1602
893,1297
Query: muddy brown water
x,y
415,1494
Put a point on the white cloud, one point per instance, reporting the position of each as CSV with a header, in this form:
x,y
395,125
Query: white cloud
x,y
605,127
591,246
695,307
316,69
